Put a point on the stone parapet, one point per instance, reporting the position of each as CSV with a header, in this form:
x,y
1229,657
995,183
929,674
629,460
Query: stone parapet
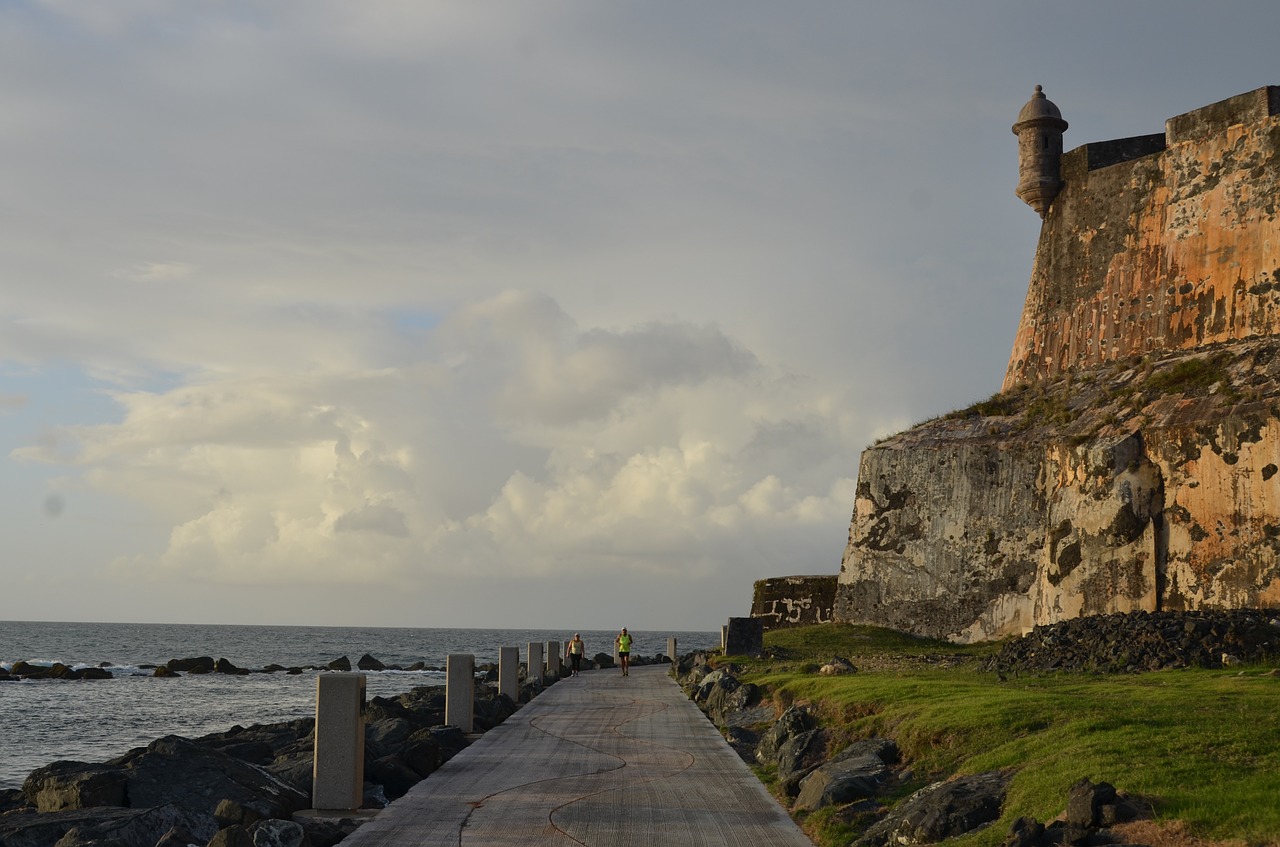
x,y
1155,247
786,601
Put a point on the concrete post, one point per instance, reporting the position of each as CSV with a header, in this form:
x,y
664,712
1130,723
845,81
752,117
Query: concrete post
x,y
745,637
553,658
460,690
535,662
509,672
671,649
724,636
337,770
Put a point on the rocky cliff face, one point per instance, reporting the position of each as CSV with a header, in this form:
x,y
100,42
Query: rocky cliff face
x,y
1131,461
1144,486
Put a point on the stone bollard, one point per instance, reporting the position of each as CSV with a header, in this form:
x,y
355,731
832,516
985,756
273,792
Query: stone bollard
x,y
535,663
460,690
671,649
724,636
337,770
509,672
553,658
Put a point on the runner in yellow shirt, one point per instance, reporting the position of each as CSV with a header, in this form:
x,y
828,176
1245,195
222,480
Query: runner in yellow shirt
x,y
623,643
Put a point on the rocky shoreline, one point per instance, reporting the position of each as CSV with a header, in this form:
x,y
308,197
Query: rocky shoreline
x,y
243,787
197,665
861,779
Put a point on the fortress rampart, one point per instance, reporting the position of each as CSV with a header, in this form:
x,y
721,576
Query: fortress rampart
x,y
1158,243
1131,460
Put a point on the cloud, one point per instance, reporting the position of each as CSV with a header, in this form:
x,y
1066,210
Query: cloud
x,y
516,443
12,402
155,272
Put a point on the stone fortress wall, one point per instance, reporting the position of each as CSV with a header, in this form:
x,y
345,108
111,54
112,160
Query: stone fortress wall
x,y
787,601
1131,460
1158,243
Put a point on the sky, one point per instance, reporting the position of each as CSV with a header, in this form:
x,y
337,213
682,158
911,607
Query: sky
x,y
555,314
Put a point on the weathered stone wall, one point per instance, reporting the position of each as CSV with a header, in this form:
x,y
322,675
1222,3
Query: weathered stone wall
x,y
1155,248
1130,462
1118,491
785,601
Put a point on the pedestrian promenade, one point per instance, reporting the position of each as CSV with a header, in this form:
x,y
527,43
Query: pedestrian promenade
x,y
600,760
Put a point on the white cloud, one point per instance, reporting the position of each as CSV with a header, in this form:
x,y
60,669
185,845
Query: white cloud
x,y
639,444
12,402
156,272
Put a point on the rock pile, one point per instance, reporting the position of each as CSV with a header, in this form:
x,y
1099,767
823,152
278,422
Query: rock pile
x,y
195,665
863,777
237,788
1144,641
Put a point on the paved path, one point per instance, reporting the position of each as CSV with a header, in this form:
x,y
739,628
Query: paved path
x,y
597,760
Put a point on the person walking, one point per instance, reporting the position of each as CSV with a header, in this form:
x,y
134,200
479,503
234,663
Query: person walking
x,y
577,647
623,643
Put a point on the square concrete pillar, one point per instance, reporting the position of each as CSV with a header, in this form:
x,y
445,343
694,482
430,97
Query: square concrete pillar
x,y
744,637
724,636
553,657
460,690
535,662
671,649
337,770
509,672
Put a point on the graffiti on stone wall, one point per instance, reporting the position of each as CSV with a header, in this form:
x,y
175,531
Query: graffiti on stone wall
x,y
794,600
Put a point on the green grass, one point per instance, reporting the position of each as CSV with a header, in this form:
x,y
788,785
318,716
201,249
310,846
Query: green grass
x,y
1203,746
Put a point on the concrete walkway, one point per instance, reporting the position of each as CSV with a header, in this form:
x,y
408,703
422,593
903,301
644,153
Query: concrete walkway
x,y
598,760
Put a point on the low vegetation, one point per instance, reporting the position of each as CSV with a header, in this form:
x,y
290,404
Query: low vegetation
x,y
1200,746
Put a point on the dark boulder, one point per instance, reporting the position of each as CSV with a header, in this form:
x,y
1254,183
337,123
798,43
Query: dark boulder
x,y
92,673
165,672
200,664
278,833
856,773
12,799
1135,642
1024,832
74,785
721,695
253,752
452,741
602,660
83,837
325,831
393,774
342,663
422,753
368,663
101,826
797,758
177,837
386,736
231,836
1085,802
793,721
196,778
228,667
230,813
942,810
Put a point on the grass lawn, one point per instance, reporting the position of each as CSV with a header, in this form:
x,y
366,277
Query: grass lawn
x,y
1202,746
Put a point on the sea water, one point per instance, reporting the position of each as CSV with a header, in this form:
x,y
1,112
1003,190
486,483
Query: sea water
x,y
42,721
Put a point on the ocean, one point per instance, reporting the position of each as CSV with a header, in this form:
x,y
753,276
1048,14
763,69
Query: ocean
x,y
44,721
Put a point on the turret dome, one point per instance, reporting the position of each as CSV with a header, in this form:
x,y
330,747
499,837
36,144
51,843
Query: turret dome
x,y
1039,108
